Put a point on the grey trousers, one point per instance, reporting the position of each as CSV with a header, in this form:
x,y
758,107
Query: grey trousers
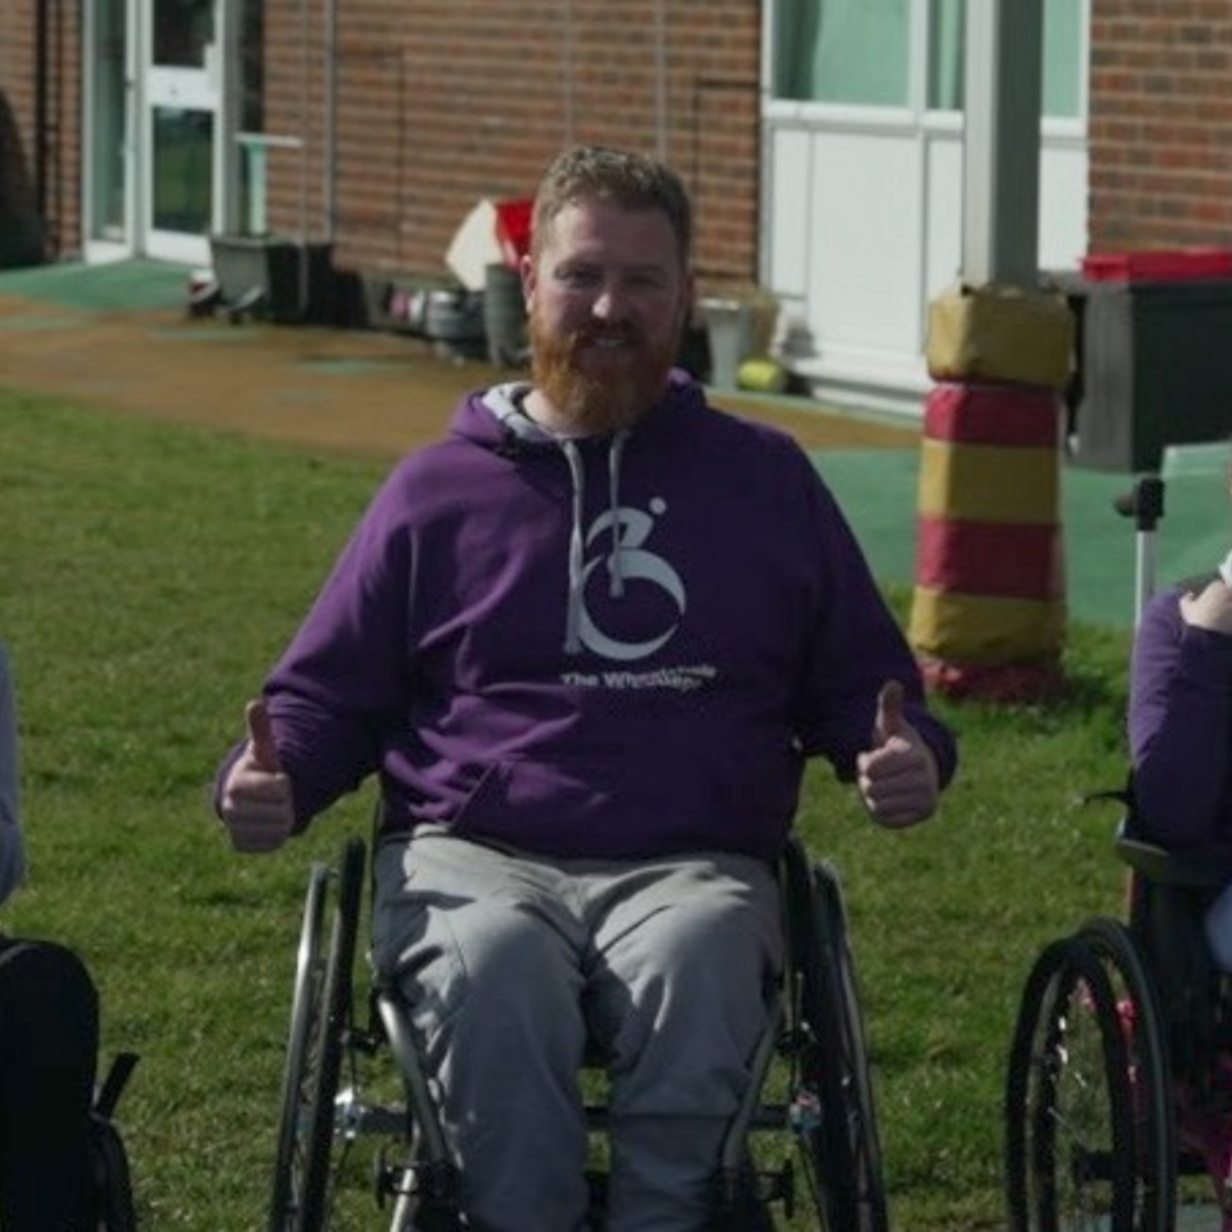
x,y
512,962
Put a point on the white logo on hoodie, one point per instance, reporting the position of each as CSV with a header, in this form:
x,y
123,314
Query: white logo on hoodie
x,y
633,527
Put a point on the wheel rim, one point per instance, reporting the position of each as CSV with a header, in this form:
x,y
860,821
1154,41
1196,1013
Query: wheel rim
x,y
329,1044
839,1143
289,1160
1069,1106
1142,1020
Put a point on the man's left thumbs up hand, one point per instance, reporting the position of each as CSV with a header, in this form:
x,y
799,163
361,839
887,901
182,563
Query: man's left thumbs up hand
x,y
897,775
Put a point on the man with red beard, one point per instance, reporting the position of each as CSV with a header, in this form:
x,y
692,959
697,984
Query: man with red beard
x,y
588,642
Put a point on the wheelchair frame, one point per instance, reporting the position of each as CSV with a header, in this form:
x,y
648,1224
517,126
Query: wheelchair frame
x,y
815,1026
1109,1031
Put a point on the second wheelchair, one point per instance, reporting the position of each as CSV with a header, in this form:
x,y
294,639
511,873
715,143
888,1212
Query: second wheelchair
x,y
1120,1073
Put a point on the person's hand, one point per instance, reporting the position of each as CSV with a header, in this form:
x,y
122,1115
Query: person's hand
x,y
897,776
1210,608
256,798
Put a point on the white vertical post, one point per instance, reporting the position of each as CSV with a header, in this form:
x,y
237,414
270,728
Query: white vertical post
x,y
1001,141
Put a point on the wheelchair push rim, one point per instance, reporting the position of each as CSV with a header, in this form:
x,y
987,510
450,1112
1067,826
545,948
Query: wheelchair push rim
x,y
321,1023
840,1144
1071,1149
287,1181
1140,1009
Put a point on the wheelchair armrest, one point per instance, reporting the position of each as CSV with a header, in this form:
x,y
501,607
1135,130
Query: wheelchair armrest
x,y
1157,864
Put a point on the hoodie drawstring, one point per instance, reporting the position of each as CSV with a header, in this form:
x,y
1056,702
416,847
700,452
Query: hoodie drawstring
x,y
573,614
613,493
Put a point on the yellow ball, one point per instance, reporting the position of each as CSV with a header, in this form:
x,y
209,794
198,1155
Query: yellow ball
x,y
762,375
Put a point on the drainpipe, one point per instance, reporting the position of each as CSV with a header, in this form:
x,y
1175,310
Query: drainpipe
x,y
660,82
567,69
329,155
305,66
41,111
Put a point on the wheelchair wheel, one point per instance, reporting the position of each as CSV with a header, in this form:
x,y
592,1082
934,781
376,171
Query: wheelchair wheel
x,y
1138,1006
840,1145
320,1023
1070,1161
333,1029
288,1178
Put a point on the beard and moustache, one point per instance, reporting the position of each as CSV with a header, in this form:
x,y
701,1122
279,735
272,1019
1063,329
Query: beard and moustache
x,y
613,395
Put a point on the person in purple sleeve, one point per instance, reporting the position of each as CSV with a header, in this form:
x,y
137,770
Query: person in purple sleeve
x,y
1180,729
587,642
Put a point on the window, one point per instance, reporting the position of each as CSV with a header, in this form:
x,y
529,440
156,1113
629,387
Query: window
x,y
843,51
859,51
1061,51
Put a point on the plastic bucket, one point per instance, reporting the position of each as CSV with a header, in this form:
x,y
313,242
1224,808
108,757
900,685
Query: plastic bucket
x,y
730,326
504,316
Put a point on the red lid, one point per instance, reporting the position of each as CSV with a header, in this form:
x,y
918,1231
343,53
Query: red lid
x,y
1158,264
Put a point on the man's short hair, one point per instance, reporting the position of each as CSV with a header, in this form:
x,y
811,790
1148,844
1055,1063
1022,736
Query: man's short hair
x,y
630,181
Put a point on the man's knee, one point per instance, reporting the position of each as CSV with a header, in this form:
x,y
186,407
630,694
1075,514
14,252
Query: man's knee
x,y
488,963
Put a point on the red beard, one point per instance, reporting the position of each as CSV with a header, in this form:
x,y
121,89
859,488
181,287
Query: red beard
x,y
600,396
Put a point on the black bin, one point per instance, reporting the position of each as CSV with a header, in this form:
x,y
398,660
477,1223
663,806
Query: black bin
x,y
1154,368
267,276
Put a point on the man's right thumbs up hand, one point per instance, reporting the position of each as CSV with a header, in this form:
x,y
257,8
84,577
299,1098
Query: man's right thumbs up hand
x,y
256,797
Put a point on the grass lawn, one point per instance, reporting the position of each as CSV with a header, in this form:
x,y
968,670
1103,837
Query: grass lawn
x,y
151,575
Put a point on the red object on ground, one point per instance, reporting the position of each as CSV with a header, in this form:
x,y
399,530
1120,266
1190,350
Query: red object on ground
x,y
1158,265
1001,684
513,224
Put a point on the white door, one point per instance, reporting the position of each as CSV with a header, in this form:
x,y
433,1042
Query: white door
x,y
183,126
108,72
862,179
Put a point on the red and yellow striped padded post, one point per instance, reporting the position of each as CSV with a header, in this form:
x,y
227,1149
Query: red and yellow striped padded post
x,y
988,613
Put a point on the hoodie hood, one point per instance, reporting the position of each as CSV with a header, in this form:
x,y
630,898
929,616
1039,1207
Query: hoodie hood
x,y
502,405
495,419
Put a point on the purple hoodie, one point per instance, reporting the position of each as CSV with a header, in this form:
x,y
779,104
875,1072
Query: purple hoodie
x,y
1180,730
613,648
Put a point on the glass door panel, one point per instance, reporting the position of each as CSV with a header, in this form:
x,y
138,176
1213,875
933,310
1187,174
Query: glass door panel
x,y
182,193
183,98
109,129
182,33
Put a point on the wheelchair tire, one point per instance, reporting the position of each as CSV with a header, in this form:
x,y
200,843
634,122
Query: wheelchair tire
x,y
1069,1142
333,1028
841,1150
1139,1007
289,1163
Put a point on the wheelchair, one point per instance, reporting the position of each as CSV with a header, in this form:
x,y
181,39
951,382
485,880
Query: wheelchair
x,y
1119,1082
352,1075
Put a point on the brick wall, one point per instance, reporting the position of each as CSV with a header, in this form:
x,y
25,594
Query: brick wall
x,y
1160,123
39,173
440,103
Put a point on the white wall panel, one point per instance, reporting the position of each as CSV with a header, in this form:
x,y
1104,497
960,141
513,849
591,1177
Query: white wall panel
x,y
789,207
943,205
865,258
1063,206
